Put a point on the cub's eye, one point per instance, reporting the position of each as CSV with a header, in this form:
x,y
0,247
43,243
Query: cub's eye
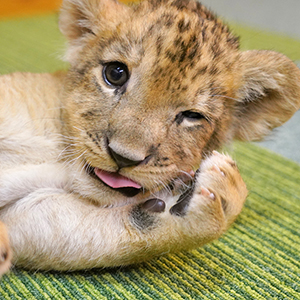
x,y
115,74
192,115
189,116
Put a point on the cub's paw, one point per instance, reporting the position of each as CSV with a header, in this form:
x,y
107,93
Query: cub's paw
x,y
219,179
5,251
200,214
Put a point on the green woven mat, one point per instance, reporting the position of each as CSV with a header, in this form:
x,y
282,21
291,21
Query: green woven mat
x,y
258,258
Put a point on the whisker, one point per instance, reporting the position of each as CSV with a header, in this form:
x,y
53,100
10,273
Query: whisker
x,y
68,152
79,129
72,163
84,167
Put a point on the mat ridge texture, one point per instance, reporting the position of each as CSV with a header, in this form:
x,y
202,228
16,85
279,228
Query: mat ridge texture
x,y
258,258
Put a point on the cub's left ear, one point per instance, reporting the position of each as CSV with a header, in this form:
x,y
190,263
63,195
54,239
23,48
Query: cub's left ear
x,y
78,17
268,93
81,20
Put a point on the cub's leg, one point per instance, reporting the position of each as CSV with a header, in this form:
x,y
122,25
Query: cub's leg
x,y
52,229
5,252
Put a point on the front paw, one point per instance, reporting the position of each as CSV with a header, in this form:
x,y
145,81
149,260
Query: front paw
x,y
220,179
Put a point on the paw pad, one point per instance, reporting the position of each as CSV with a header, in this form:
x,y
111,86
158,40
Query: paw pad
x,y
154,205
180,208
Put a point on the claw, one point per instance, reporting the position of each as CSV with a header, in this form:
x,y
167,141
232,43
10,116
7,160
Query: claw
x,y
183,179
192,173
217,169
205,192
215,152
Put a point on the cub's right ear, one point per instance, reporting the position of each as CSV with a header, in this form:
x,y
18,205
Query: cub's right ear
x,y
79,19
268,93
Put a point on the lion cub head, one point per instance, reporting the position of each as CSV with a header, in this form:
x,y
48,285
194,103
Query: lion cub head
x,y
155,87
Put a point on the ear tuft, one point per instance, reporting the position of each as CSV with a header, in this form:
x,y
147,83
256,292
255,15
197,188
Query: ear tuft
x,y
268,94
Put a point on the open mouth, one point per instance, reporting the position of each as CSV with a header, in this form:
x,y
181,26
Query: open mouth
x,y
117,182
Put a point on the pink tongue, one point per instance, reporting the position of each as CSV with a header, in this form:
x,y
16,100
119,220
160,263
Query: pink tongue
x,y
115,180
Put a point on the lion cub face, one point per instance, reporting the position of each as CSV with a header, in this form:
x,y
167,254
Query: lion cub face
x,y
152,89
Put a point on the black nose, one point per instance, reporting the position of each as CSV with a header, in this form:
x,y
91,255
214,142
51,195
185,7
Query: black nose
x,y
122,161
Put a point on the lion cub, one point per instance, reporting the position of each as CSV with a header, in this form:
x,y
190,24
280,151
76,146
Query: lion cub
x,y
113,162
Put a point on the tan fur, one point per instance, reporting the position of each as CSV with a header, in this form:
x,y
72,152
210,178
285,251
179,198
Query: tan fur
x,y
56,128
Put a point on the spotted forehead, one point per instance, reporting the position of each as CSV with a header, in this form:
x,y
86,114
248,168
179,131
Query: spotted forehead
x,y
178,30
183,36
